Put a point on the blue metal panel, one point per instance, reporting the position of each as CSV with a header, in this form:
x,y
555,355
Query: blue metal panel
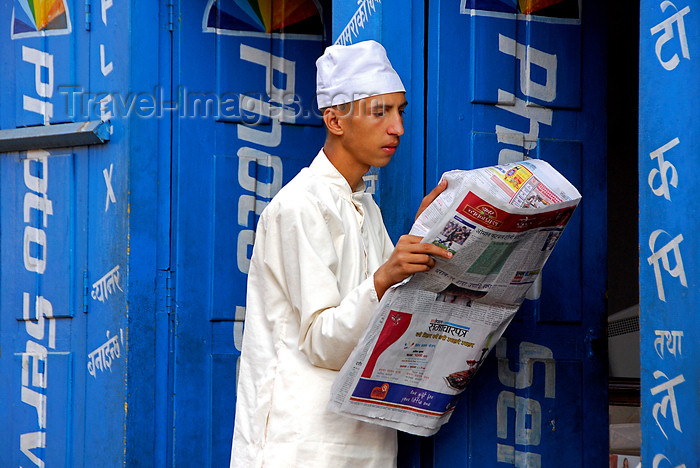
x,y
527,62
44,59
669,99
107,182
64,285
227,166
502,89
78,296
137,35
41,293
46,406
525,417
42,249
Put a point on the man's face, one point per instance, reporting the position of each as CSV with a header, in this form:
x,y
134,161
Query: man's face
x,y
372,128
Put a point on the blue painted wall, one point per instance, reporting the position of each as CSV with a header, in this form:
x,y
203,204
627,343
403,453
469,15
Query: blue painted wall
x,y
669,99
262,127
79,236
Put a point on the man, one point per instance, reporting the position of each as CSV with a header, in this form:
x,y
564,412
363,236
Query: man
x,y
322,259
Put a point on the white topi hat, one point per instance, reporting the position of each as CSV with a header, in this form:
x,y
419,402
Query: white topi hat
x,y
352,72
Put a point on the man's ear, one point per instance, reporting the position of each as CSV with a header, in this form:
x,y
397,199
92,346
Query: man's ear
x,y
332,121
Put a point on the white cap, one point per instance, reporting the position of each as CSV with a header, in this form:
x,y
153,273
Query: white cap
x,y
352,72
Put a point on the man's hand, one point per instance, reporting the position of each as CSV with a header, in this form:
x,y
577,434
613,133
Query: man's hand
x,y
409,257
429,198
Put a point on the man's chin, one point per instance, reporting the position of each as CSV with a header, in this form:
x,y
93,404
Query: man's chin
x,y
382,161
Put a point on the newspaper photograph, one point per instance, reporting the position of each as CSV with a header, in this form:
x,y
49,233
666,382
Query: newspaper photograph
x,y
431,332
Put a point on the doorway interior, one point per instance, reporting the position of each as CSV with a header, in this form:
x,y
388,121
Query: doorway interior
x,y
623,233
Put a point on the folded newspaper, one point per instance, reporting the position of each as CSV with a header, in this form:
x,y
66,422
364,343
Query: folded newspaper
x,y
432,331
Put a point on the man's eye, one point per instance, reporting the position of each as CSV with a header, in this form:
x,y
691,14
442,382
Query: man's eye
x,y
402,111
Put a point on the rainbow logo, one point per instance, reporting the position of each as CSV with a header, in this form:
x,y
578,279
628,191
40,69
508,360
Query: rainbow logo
x,y
300,19
555,9
31,18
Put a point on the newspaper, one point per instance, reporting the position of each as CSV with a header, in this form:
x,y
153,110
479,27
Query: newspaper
x,y
431,332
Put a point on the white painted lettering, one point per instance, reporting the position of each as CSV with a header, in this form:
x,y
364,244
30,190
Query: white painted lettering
x,y
526,409
250,159
523,407
667,27
273,63
108,182
536,116
39,203
673,342
37,353
38,402
106,108
44,108
248,204
527,56
252,133
246,156
34,236
32,441
530,353
658,458
664,167
43,311
508,454
661,255
106,5
245,240
668,400
38,183
105,68
40,60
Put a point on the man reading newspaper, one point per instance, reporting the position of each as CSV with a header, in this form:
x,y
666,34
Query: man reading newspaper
x,y
321,261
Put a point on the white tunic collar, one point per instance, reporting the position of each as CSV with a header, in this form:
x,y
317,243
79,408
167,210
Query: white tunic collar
x,y
322,167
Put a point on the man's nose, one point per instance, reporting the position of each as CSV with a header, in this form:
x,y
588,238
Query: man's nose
x,y
396,127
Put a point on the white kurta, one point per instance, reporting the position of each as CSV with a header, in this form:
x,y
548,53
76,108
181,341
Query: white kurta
x,y
310,296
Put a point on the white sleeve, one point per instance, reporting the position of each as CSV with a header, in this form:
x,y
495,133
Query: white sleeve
x,y
301,253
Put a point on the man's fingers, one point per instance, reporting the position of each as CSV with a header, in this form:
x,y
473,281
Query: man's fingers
x,y
424,259
413,256
429,198
420,259
439,188
428,249
410,256
418,266
439,251
409,239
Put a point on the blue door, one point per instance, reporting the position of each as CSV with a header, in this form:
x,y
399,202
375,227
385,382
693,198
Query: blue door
x,y
492,82
244,74
505,85
669,99
77,236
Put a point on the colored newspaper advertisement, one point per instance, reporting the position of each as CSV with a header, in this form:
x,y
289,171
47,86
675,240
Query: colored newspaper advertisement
x,y
432,331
